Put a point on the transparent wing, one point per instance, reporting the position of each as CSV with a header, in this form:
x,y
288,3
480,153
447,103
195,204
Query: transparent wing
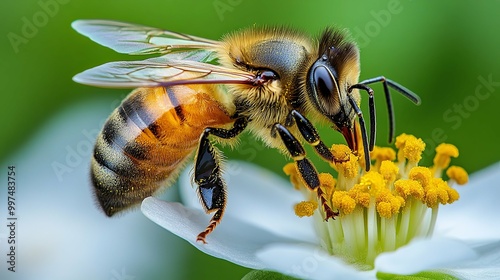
x,y
137,39
160,72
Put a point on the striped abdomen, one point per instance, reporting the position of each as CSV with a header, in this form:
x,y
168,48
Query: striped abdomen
x,y
146,140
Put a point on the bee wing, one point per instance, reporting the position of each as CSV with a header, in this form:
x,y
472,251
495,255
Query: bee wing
x,y
161,72
137,39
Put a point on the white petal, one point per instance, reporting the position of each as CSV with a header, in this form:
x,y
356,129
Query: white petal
x,y
309,262
258,197
232,240
476,214
425,254
485,266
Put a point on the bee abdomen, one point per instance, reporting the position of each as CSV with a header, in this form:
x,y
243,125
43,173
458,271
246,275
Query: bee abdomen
x,y
145,142
131,157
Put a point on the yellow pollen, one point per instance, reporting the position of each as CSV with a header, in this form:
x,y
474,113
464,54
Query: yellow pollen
x,y
374,182
443,154
388,204
389,171
327,183
305,208
384,209
361,195
407,188
452,195
382,153
342,201
421,174
340,153
401,140
438,191
410,147
458,174
345,162
291,171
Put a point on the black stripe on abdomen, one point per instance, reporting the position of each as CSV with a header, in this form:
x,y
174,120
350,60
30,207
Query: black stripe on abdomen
x,y
175,103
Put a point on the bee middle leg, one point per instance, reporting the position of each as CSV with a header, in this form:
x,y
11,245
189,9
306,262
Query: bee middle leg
x,y
305,168
208,174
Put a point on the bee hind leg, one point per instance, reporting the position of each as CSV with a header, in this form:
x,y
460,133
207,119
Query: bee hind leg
x,y
211,186
304,167
208,174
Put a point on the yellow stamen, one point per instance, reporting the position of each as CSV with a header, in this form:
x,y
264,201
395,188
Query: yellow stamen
x,y
383,153
361,195
291,171
305,208
453,195
388,204
458,174
443,154
342,201
436,192
340,153
421,174
407,188
385,208
373,181
327,184
344,161
409,147
369,186
389,171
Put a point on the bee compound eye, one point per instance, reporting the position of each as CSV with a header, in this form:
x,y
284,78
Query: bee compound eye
x,y
323,82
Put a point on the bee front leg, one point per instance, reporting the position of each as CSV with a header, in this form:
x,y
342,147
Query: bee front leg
x,y
208,174
304,167
311,135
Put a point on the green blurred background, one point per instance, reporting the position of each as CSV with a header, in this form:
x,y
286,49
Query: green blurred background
x,y
446,51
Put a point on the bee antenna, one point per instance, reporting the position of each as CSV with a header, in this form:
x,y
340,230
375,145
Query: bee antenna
x,y
399,88
363,130
371,103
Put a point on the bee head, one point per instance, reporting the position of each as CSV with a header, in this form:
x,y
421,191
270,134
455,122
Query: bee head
x,y
328,81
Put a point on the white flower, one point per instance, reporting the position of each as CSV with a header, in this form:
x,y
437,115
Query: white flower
x,y
261,231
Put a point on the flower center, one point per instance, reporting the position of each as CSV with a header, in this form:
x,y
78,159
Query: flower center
x,y
385,208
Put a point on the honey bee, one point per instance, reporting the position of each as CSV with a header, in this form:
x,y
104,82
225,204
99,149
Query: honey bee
x,y
269,81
